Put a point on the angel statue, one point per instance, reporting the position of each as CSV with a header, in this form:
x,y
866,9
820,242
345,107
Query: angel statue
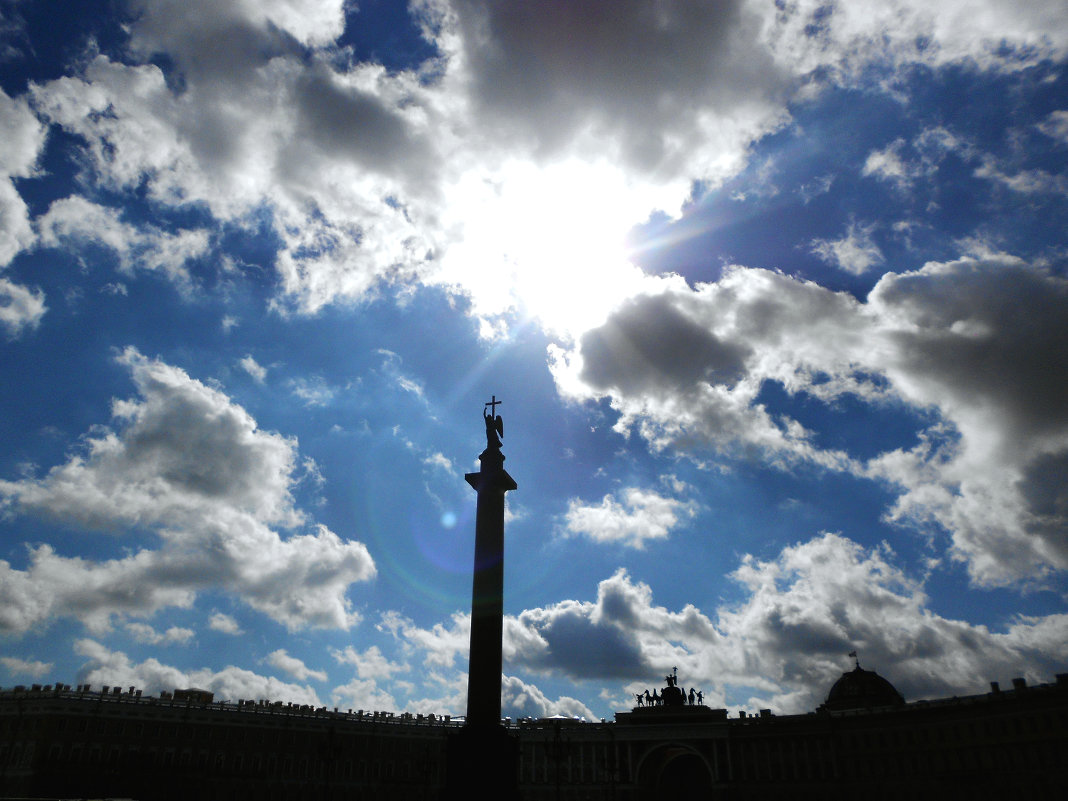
x,y
494,424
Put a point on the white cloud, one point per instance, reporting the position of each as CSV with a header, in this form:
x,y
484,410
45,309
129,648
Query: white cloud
x,y
639,515
693,89
904,164
23,137
16,233
520,699
782,645
440,461
180,26
114,668
970,340
786,641
26,667
293,666
579,121
312,391
973,338
175,635
254,369
684,366
222,622
1027,182
75,222
260,122
855,253
438,645
370,664
820,599
1055,126
889,165
363,694
191,466
20,308
846,37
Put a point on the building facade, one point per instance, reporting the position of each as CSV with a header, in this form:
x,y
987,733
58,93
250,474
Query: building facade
x,y
79,743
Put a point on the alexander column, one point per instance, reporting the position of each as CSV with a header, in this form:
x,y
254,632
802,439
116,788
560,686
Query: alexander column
x,y
487,590
483,756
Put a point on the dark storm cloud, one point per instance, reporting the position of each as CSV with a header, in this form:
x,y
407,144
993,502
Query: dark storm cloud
x,y
583,648
651,346
990,333
1044,487
212,45
347,121
978,340
787,638
644,76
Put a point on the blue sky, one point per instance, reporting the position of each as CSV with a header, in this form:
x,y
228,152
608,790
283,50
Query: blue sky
x,y
774,295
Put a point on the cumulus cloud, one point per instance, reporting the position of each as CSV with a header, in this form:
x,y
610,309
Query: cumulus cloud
x,y
370,664
692,91
363,694
820,599
619,636
856,252
75,222
804,610
844,38
23,135
294,666
904,164
684,366
520,699
21,308
969,339
224,623
16,233
355,163
253,368
375,177
254,124
372,667
438,648
439,645
114,668
312,391
1056,126
972,338
889,165
637,516
26,667
187,464
1026,182
781,645
144,633
179,27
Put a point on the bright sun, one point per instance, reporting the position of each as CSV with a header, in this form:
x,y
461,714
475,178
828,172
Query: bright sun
x,y
547,242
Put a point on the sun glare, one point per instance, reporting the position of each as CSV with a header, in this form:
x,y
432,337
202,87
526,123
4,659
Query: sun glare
x,y
548,243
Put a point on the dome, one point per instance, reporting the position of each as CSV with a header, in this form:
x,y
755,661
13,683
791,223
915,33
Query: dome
x,y
861,689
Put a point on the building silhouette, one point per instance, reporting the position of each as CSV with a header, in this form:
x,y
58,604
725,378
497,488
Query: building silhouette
x,y
863,742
